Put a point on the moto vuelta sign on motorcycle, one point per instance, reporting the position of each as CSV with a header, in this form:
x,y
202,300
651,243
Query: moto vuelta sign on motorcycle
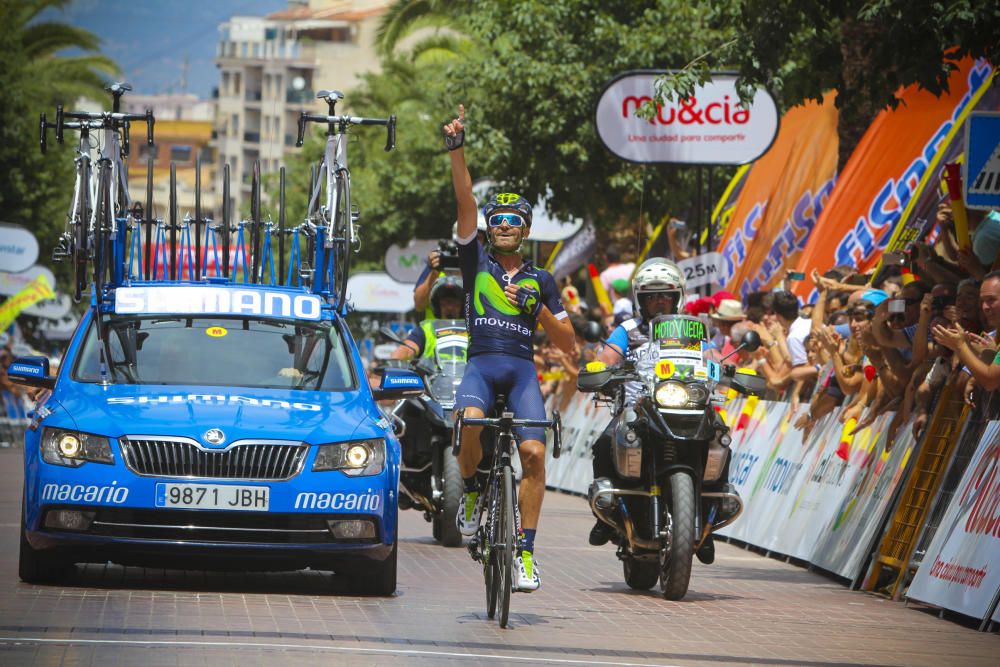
x,y
710,127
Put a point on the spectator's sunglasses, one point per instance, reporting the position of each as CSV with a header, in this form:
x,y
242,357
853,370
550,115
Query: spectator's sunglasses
x,y
512,220
862,314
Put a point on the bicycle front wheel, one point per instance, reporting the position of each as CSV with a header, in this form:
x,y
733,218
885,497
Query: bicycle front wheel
x,y
79,236
343,235
491,555
505,547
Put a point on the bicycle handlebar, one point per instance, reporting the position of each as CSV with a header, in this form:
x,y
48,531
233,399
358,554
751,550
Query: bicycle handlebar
x,y
509,422
98,120
498,422
341,123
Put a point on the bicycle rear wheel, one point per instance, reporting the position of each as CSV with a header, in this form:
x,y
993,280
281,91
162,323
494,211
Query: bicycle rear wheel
x,y
507,544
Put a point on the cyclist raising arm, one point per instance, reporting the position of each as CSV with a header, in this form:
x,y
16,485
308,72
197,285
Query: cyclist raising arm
x,y
506,297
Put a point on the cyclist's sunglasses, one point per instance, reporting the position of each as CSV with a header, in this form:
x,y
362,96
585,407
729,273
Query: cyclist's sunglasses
x,y
512,220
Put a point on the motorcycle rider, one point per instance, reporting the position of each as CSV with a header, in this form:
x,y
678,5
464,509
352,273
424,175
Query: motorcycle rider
x,y
658,288
447,298
506,298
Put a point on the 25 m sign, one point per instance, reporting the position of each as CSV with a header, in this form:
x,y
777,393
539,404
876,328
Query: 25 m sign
x,y
702,270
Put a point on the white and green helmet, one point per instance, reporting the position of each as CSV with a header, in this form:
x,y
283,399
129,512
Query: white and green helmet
x,y
657,275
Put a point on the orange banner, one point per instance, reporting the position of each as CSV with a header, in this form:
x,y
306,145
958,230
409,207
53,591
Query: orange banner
x,y
781,199
883,172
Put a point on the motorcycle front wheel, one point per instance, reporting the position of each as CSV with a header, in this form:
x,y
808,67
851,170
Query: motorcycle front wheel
x,y
675,563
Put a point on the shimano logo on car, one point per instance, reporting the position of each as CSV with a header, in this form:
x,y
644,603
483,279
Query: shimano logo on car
x,y
503,324
367,502
85,493
214,399
402,381
216,301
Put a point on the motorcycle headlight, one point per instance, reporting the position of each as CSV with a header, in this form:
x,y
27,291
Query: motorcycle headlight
x,y
355,458
671,395
73,449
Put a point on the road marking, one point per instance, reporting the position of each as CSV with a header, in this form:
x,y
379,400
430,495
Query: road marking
x,y
340,649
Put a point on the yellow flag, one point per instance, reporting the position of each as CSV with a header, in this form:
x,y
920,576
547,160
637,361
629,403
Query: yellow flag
x,y
35,291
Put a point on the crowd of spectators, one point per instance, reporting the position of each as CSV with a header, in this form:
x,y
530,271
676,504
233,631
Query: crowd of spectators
x,y
887,340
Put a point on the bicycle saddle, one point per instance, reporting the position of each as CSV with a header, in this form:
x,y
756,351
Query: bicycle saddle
x,y
330,95
118,87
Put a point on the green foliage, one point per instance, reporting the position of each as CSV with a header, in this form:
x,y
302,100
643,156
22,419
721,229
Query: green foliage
x,y
531,95
35,189
865,49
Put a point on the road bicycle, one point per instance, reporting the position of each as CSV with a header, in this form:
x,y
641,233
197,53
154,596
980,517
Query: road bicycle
x,y
97,213
335,218
498,537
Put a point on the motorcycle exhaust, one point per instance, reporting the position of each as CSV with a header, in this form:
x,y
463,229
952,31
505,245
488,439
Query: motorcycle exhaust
x,y
725,499
604,498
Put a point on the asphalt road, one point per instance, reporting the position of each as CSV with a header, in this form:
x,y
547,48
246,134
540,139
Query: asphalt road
x,y
745,609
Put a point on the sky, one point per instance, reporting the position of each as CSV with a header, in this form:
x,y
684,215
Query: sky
x,y
150,39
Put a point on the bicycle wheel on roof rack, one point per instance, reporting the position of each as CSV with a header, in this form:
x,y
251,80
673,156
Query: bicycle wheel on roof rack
x,y
102,226
343,238
78,239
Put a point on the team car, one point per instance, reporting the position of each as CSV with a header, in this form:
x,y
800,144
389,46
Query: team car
x,y
200,419
212,421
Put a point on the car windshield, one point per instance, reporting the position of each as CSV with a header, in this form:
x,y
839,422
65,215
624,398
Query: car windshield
x,y
215,351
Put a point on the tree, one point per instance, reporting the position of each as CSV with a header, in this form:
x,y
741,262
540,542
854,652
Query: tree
x,y
531,93
35,190
865,49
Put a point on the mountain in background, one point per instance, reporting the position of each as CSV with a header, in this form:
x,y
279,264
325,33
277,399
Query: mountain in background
x,y
151,39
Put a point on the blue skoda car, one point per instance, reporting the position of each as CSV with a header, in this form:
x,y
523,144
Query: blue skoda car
x,y
212,425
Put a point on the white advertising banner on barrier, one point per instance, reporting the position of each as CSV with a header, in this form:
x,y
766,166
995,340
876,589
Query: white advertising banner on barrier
x,y
960,570
710,127
849,538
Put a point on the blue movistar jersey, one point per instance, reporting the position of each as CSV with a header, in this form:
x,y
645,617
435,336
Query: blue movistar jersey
x,y
495,325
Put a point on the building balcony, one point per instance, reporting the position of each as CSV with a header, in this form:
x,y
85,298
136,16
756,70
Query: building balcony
x,y
253,96
251,137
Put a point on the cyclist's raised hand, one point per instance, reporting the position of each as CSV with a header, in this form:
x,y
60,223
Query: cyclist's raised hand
x,y
454,132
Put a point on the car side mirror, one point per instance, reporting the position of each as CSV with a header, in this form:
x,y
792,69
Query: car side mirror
x,y
390,334
751,341
398,383
31,371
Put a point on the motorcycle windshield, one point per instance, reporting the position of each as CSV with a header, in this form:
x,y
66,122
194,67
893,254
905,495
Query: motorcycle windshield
x,y
451,347
679,342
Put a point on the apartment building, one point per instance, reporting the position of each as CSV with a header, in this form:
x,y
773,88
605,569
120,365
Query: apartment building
x,y
184,126
270,68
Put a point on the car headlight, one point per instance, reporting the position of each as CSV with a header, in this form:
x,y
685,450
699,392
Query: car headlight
x,y
671,395
355,458
72,449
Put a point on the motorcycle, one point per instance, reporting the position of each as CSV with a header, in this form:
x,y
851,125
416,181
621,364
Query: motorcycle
x,y
429,478
667,444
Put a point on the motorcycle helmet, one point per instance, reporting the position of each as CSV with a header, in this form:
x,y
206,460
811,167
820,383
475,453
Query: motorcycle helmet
x,y
444,287
657,275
